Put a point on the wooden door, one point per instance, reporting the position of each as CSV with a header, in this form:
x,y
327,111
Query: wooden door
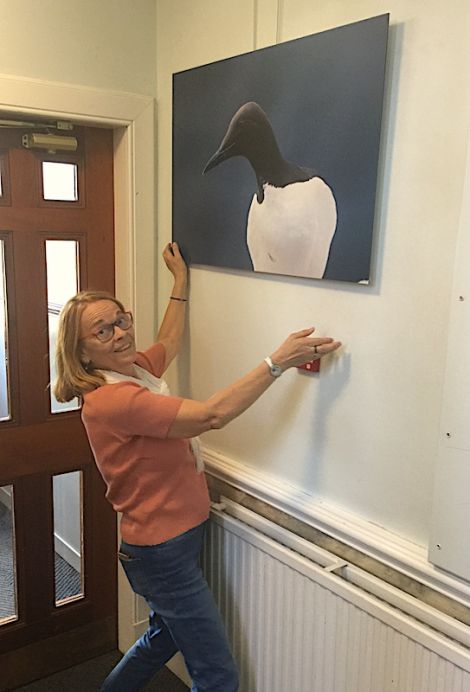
x,y
43,446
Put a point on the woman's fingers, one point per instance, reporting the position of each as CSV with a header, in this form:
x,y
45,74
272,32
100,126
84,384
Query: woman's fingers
x,y
323,346
175,249
303,333
174,259
171,251
312,348
300,348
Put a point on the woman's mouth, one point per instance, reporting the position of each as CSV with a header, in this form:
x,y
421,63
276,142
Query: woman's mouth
x,y
123,348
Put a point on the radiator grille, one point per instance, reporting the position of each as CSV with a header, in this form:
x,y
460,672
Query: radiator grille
x,y
293,629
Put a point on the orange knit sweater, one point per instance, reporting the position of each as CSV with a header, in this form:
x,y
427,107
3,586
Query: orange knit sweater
x,y
151,479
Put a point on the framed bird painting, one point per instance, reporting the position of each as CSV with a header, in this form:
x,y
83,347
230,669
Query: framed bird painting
x,y
275,156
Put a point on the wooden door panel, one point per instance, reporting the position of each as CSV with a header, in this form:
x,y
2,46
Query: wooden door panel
x,y
31,325
71,647
36,445
43,615
45,447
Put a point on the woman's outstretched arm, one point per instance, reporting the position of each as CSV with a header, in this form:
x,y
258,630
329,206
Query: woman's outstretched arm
x,y
195,417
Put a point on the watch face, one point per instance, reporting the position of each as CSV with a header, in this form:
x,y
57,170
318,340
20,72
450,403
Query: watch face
x,y
275,370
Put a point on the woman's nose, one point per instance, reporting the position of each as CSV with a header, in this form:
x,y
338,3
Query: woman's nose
x,y
118,332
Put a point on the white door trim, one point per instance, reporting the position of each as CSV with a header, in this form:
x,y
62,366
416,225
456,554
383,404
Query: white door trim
x,y
132,117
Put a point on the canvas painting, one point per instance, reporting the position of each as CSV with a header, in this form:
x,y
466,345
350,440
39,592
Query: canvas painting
x,y
275,156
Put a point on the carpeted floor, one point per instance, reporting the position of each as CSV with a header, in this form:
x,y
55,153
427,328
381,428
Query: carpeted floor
x,y
88,676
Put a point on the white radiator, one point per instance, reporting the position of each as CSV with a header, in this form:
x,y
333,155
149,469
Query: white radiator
x,y
296,626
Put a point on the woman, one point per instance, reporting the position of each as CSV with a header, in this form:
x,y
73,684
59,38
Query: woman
x,y
143,442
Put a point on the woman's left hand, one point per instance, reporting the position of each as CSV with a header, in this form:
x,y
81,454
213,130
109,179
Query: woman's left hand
x,y
174,261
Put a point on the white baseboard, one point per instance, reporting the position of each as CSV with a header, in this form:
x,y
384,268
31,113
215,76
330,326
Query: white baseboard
x,y
390,549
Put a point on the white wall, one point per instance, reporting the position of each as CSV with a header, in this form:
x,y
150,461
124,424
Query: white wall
x,y
108,44
449,545
364,434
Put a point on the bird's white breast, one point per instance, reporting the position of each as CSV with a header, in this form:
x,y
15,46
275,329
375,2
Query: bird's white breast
x,y
291,231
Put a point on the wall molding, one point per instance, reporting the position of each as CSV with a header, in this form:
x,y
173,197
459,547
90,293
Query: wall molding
x,y
40,97
369,539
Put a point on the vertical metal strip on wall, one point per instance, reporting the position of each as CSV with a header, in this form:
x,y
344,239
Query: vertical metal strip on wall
x,y
290,633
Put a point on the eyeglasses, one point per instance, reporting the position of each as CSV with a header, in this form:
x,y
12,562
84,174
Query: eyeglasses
x,y
105,332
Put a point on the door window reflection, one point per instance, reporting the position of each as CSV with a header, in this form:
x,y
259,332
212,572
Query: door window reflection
x,y
8,587
62,284
60,181
4,384
5,198
68,536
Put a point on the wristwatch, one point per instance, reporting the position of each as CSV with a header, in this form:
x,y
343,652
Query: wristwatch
x,y
275,370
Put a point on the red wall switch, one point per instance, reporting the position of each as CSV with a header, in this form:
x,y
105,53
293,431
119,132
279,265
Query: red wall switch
x,y
311,366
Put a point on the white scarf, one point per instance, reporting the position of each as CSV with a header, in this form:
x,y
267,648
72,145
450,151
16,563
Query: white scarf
x,y
157,385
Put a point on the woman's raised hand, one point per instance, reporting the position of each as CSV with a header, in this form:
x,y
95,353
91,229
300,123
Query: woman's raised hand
x,y
174,261
300,347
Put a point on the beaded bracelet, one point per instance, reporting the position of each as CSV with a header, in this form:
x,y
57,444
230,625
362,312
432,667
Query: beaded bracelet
x,y
182,300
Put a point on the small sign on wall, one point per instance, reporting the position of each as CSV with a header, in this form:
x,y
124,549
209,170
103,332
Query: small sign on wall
x,y
275,155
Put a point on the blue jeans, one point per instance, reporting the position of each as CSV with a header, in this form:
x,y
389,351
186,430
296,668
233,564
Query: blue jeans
x,y
183,617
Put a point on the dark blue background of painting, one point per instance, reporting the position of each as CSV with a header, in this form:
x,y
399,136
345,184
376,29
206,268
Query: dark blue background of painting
x,y
323,96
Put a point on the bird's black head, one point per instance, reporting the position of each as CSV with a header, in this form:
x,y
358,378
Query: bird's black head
x,y
249,134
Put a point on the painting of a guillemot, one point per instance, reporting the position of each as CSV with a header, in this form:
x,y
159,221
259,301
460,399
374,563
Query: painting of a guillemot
x,y
292,217
322,96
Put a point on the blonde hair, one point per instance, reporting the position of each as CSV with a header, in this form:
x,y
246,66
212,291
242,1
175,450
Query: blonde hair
x,y
74,377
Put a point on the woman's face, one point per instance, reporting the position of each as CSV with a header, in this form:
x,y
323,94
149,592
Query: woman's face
x,y
119,352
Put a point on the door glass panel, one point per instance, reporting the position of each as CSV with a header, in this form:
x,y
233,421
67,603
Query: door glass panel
x,y
59,181
4,180
68,536
62,284
8,591
4,388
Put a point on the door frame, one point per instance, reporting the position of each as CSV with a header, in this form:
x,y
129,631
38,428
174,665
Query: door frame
x,y
132,117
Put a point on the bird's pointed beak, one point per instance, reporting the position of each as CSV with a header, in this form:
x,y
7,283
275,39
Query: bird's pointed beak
x,y
223,153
